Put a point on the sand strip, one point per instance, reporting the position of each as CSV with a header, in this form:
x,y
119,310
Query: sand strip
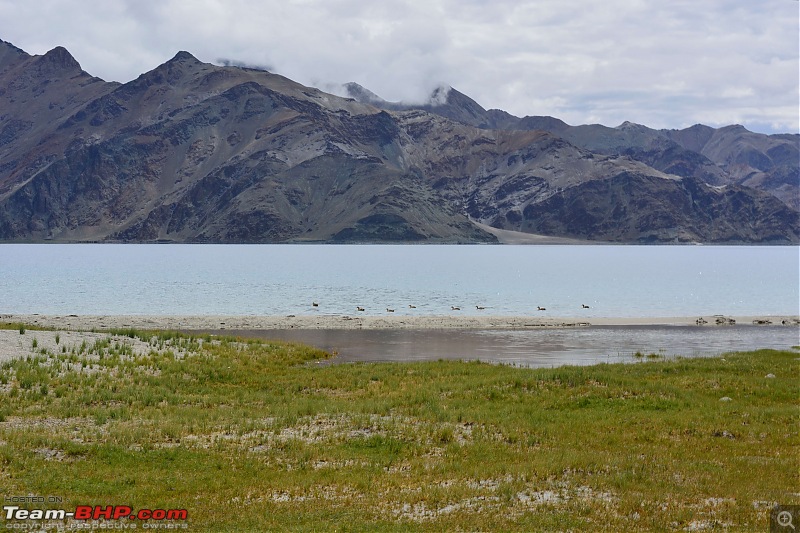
x,y
348,322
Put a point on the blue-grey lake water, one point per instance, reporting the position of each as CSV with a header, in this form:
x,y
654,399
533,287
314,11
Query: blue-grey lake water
x,y
541,348
202,279
614,281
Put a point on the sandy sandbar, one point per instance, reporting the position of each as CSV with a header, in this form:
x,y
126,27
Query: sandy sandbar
x,y
347,322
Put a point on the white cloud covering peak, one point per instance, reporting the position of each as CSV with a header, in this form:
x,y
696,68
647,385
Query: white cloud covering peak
x,y
663,64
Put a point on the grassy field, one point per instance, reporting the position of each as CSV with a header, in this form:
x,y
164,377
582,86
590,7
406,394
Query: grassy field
x,y
251,435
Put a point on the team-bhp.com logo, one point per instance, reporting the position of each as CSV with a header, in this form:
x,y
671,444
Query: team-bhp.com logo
x,y
83,514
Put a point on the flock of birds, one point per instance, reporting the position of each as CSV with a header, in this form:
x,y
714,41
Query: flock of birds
x,y
452,307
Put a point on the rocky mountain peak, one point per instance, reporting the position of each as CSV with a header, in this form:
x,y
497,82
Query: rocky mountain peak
x,y
448,102
546,123
734,128
184,57
60,58
171,73
440,95
10,54
6,44
631,127
361,94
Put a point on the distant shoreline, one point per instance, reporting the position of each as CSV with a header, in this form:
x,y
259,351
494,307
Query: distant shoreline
x,y
373,322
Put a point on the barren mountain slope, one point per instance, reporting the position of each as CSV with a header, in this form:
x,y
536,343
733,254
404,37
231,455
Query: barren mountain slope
x,y
193,152
730,155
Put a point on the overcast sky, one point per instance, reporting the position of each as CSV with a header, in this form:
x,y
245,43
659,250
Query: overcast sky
x,y
663,63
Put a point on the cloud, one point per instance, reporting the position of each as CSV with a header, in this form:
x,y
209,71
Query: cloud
x,y
225,62
664,64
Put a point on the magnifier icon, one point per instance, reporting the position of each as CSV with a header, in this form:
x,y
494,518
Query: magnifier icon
x,y
784,519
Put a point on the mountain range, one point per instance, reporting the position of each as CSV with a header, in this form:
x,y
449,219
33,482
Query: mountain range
x,y
195,152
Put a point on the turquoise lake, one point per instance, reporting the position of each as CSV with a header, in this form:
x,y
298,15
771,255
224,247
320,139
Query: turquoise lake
x,y
202,279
